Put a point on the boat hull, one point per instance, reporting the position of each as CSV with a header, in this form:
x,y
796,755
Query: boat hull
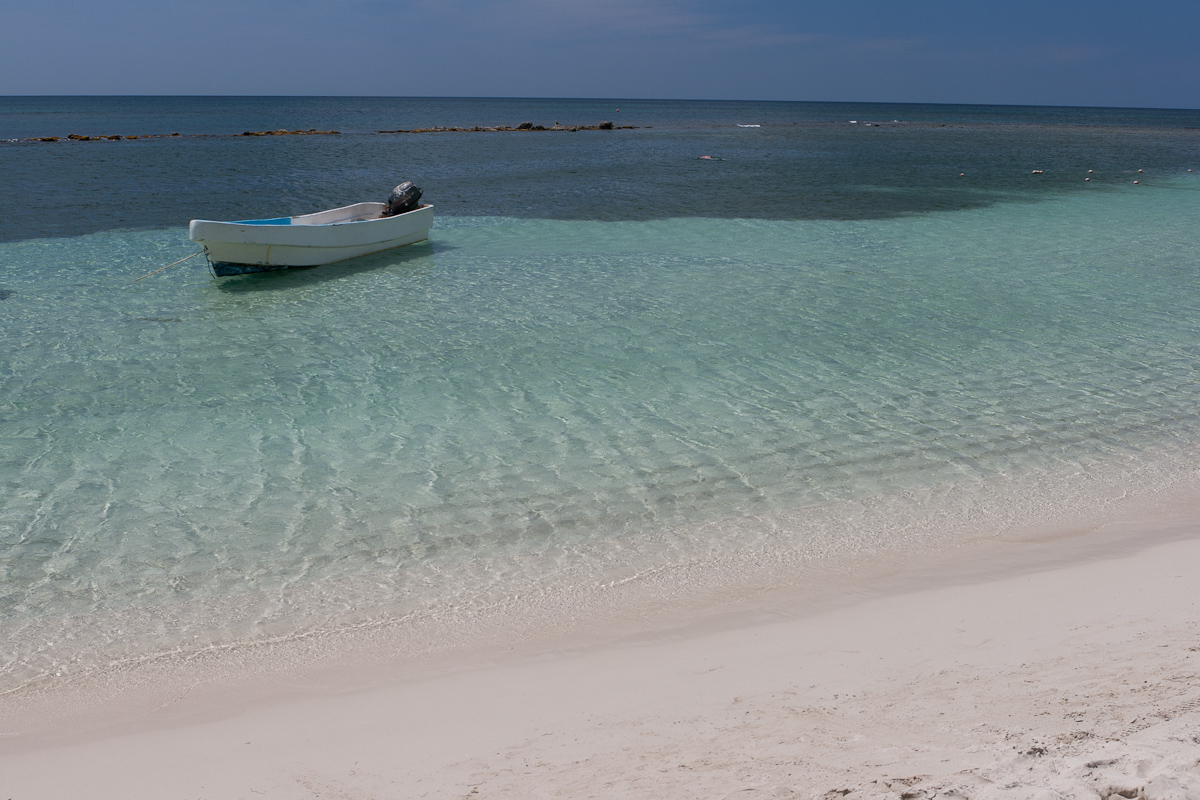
x,y
238,248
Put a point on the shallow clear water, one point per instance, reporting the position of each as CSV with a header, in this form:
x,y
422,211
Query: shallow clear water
x,y
523,402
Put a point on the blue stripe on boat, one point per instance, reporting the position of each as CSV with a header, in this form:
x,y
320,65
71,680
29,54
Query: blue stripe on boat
x,y
276,221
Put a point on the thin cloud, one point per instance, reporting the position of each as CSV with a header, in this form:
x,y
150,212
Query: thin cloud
x,y
756,36
624,19
888,46
525,21
1058,54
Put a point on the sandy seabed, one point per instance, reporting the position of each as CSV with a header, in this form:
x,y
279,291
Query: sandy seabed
x,y
1063,668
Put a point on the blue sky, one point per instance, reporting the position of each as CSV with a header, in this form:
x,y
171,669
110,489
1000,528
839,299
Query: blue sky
x,y
1054,52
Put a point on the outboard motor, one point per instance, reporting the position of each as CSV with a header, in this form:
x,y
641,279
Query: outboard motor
x,y
405,197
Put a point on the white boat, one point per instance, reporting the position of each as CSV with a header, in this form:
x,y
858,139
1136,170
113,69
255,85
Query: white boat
x,y
258,245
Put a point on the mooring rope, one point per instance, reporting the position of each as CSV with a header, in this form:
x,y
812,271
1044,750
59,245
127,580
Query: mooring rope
x,y
168,266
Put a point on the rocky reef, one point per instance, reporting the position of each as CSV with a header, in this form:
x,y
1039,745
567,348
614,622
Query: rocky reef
x,y
524,126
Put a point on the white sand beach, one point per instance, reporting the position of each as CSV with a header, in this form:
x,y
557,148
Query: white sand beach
x,y
1054,669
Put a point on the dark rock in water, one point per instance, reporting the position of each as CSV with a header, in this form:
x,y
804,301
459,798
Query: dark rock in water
x,y
524,126
284,132
6,293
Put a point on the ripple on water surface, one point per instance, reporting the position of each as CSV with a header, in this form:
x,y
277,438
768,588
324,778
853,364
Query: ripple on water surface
x,y
524,404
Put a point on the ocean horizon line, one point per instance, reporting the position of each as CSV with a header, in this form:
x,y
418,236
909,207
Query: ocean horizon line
x,y
598,98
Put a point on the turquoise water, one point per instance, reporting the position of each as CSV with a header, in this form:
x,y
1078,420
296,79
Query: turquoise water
x,y
524,403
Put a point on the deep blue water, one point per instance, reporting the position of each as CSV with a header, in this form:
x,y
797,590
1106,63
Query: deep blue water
x,y
806,161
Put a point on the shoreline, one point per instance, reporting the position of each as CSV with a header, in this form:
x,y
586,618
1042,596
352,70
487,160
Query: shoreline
x,y
794,685
812,556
